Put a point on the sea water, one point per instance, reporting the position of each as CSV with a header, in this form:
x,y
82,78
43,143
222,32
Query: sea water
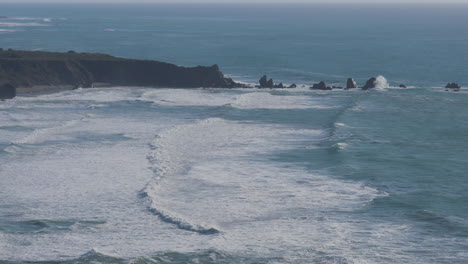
x,y
142,175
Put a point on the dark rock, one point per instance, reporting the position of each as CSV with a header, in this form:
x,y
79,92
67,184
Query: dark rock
x,y
270,84
337,87
453,86
7,91
292,85
263,81
278,85
403,86
370,83
321,86
350,83
31,68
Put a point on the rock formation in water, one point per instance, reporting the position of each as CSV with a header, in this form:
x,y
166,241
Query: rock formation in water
x,y
7,91
27,69
270,83
321,86
370,84
263,81
350,83
292,85
453,86
403,86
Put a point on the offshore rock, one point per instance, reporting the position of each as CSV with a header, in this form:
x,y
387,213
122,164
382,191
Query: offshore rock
x,y
263,82
350,83
370,83
7,91
453,86
321,86
278,85
292,85
403,86
270,84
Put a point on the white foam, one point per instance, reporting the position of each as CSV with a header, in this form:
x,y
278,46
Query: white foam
x,y
216,174
188,97
242,99
93,94
265,100
16,24
50,133
381,83
205,174
214,162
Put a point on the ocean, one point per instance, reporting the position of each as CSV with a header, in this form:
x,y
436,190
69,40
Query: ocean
x,y
157,175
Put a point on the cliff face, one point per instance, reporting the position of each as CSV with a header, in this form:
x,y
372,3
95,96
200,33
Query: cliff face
x,y
37,68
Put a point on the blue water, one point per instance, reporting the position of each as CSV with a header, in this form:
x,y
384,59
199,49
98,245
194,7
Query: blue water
x,y
138,175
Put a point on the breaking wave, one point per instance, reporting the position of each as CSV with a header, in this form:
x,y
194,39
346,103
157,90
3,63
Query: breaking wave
x,y
381,83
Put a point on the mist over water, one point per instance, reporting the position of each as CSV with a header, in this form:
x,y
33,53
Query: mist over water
x,y
141,175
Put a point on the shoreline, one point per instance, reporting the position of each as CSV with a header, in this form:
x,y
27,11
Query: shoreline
x,y
32,72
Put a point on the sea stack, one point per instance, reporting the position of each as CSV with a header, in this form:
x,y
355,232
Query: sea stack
x,y
350,84
453,86
270,84
321,86
263,81
370,83
7,91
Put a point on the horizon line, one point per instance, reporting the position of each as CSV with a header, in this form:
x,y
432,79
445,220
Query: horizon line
x,y
236,2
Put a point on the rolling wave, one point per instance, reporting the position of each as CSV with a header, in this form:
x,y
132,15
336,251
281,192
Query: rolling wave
x,y
171,217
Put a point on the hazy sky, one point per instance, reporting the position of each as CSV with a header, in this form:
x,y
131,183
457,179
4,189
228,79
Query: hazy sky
x,y
236,1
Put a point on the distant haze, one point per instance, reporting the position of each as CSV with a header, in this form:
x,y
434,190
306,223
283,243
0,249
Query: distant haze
x,y
240,1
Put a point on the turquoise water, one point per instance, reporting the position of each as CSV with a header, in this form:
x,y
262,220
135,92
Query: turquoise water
x,y
141,175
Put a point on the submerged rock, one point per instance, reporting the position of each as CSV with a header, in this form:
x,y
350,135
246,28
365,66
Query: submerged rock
x,y
278,85
350,83
370,83
321,86
403,86
292,85
7,91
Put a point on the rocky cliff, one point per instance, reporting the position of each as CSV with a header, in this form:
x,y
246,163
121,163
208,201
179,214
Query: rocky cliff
x,y
37,68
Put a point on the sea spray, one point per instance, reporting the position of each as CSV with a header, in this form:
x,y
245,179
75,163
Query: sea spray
x,y
381,83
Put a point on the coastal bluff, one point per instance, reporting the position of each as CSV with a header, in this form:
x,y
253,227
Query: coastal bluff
x,y
31,71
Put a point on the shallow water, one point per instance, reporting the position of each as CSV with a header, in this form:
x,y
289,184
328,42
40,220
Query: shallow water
x,y
328,177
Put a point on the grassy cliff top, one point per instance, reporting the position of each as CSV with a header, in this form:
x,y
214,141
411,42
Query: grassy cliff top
x,y
57,56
